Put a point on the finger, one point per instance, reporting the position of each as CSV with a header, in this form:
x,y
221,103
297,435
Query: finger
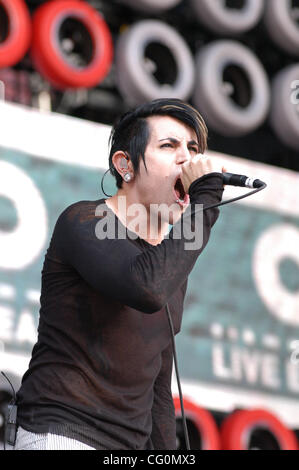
x,y
199,157
224,170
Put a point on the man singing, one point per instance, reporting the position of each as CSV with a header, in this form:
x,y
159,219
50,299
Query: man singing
x,y
100,372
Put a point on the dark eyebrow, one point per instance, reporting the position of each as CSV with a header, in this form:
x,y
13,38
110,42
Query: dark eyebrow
x,y
175,141
193,142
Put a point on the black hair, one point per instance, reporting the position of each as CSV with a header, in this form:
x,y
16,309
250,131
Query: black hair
x,y
131,132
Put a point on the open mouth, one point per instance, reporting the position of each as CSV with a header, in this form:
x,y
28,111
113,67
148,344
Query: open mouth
x,y
181,196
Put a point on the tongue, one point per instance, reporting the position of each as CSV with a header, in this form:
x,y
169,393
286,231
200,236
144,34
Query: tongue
x,y
178,195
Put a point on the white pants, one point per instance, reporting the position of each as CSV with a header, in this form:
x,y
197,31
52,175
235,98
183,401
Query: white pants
x,y
31,441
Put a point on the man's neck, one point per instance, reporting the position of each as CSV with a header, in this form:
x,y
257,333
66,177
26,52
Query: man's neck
x,y
137,217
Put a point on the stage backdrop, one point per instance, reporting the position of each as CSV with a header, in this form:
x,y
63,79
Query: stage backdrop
x,y
239,342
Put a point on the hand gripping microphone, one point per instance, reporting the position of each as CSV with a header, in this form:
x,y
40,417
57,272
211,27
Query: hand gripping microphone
x,y
241,180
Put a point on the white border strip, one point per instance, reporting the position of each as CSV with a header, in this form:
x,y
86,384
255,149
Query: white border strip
x,y
54,136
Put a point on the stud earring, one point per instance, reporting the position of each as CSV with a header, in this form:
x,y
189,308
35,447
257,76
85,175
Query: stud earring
x,y
127,177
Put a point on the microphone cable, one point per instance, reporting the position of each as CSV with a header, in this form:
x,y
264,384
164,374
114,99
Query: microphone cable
x,y
250,193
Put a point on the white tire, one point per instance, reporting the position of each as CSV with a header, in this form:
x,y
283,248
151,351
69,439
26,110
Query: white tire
x,y
284,115
282,23
151,6
214,96
220,19
135,72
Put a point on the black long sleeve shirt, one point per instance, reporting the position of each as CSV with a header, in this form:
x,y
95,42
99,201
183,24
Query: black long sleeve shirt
x,y
101,369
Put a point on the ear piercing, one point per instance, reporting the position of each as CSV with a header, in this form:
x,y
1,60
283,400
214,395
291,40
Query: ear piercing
x,y
127,177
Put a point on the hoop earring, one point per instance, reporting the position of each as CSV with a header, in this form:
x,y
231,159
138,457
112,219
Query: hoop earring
x,y
102,187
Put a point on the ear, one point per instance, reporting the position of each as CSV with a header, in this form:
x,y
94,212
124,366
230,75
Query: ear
x,y
121,162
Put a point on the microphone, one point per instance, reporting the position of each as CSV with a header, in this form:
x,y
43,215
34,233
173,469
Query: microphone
x,y
241,180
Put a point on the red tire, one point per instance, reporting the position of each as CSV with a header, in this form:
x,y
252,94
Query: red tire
x,y
203,421
237,428
15,43
48,56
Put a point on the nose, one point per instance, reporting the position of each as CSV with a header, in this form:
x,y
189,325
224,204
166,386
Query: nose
x,y
183,154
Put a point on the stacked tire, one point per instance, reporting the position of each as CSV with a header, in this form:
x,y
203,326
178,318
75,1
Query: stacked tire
x,y
232,89
15,32
284,116
61,27
153,61
204,433
254,429
221,20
